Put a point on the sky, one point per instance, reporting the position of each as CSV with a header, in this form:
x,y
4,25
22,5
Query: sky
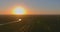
x,y
33,6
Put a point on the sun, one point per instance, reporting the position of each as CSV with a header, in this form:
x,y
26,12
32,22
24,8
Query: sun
x,y
19,11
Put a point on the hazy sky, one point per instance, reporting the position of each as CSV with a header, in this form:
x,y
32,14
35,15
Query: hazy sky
x,y
34,6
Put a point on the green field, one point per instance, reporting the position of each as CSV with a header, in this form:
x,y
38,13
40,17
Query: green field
x,y
30,23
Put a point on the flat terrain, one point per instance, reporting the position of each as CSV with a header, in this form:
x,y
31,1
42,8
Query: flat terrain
x,y
30,23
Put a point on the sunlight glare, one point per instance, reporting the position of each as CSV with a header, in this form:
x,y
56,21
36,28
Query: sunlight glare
x,y
19,11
